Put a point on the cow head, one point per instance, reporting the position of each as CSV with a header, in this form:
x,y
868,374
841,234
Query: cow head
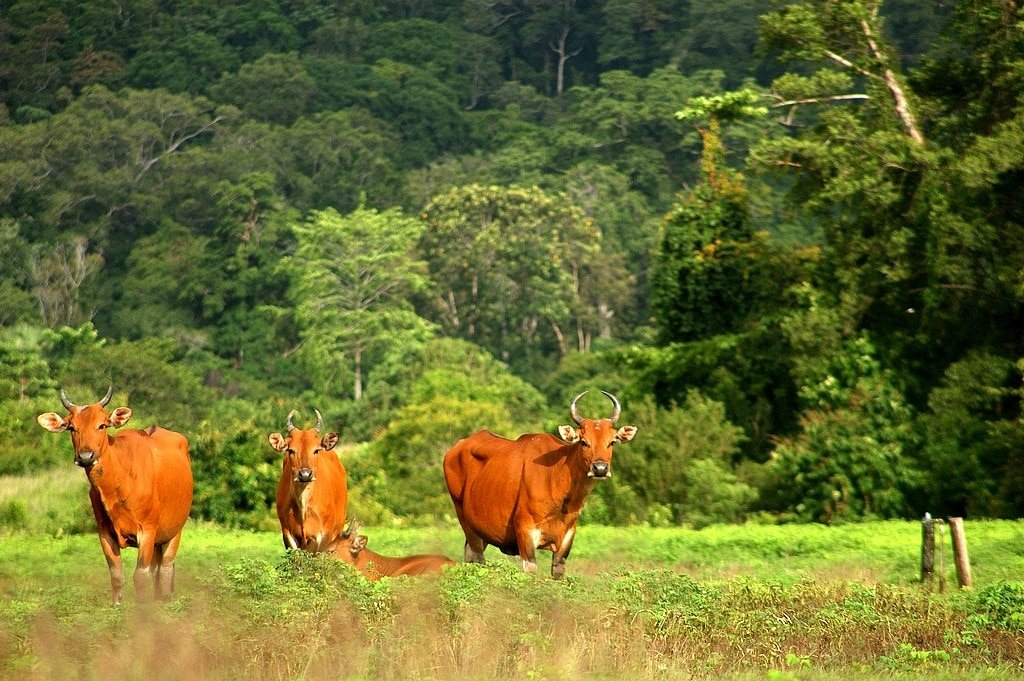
x,y
302,448
87,425
350,544
596,437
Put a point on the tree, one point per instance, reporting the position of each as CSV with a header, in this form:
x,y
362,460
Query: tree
x,y
508,262
851,458
848,35
58,275
351,277
275,87
713,272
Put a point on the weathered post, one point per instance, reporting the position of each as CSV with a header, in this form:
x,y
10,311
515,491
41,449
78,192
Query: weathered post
x,y
927,549
963,563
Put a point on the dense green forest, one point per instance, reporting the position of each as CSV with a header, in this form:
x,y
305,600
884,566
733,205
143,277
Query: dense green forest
x,y
789,235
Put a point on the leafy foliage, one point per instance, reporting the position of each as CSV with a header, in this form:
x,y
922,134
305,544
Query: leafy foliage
x,y
479,210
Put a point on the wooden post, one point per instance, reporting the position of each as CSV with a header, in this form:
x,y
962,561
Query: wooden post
x,y
963,563
927,549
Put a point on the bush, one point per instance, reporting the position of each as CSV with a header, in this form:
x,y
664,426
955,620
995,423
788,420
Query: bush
x,y
411,450
682,457
236,474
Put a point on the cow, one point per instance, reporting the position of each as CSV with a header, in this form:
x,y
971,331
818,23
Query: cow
x,y
140,486
527,494
351,548
312,495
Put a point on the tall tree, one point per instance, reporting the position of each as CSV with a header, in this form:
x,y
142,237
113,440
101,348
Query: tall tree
x,y
351,279
509,265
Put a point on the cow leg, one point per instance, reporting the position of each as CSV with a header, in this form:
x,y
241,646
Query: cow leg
x,y
528,540
289,540
558,557
475,553
163,573
144,566
475,545
112,553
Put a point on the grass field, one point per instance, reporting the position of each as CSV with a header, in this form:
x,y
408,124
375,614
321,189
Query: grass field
x,y
737,602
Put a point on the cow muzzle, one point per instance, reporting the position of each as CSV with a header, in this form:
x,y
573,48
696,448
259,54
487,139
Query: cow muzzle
x,y
600,469
305,475
85,459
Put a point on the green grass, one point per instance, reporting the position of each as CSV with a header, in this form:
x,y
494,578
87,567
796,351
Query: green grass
x,y
784,603
777,603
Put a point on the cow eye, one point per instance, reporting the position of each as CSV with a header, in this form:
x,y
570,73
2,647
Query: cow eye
x,y
290,450
316,451
101,426
70,428
584,442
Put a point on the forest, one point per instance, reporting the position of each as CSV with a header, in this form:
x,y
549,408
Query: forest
x,y
789,236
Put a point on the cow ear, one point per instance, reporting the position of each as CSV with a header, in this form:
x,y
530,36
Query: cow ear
x,y
569,434
52,422
120,416
625,434
277,441
329,441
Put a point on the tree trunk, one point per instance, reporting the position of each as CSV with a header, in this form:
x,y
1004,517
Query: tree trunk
x,y
561,338
903,110
563,56
358,361
604,320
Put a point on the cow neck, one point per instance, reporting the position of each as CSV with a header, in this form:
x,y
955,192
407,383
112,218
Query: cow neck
x,y
580,484
109,476
301,501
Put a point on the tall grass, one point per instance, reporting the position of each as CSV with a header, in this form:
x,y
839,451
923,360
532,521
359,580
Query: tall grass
x,y
247,609
53,502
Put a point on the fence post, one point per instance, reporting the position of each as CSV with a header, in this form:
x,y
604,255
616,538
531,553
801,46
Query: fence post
x,y
927,549
963,563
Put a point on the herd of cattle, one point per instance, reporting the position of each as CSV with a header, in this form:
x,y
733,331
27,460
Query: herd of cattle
x,y
518,495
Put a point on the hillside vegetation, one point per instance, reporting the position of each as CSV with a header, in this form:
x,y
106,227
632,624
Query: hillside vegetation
x,y
788,237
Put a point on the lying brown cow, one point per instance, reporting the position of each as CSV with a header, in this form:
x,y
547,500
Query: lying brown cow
x,y
312,494
526,495
140,486
351,548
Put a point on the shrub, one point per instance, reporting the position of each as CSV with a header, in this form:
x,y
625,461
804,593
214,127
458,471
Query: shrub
x,y
682,457
236,474
412,448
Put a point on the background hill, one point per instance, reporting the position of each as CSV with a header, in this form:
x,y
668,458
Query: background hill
x,y
789,238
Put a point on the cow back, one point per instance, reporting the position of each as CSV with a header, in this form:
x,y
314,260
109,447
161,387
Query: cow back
x,y
485,477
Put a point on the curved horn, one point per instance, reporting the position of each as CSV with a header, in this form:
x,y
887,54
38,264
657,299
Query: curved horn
x,y
68,404
573,411
618,407
106,398
291,426
319,421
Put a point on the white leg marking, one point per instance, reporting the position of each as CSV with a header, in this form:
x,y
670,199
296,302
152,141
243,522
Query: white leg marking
x,y
535,537
567,539
530,567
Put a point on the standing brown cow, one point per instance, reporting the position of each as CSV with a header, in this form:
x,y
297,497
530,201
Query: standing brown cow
x,y
527,494
140,486
351,548
312,495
